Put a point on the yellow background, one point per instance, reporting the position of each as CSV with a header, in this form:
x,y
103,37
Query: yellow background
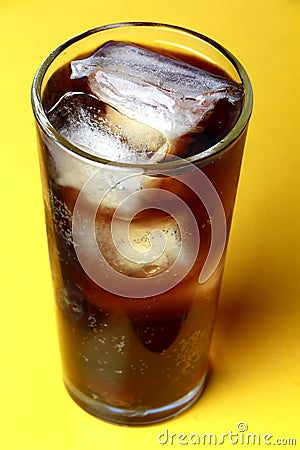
x,y
256,347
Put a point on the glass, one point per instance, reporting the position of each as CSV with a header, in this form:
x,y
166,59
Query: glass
x,y
137,249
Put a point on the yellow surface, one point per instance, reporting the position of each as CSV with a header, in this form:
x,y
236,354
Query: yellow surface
x,y
256,347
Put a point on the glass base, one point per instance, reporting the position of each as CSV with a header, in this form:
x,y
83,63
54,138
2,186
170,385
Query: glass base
x,y
124,416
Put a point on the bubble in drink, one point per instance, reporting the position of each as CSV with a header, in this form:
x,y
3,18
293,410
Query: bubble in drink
x,y
160,91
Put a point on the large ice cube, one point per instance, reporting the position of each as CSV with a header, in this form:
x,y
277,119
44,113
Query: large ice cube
x,y
162,92
99,129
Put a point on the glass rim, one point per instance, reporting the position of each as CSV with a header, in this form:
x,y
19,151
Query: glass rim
x,y
201,158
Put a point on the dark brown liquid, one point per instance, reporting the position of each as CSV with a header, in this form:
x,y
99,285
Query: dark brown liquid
x,y
136,353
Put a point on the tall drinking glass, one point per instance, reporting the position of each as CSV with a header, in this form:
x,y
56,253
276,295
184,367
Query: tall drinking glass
x,y
137,245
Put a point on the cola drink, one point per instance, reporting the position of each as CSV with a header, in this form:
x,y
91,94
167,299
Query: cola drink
x,y
135,331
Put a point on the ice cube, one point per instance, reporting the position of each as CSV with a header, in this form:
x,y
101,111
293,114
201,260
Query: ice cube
x,y
101,130
162,92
